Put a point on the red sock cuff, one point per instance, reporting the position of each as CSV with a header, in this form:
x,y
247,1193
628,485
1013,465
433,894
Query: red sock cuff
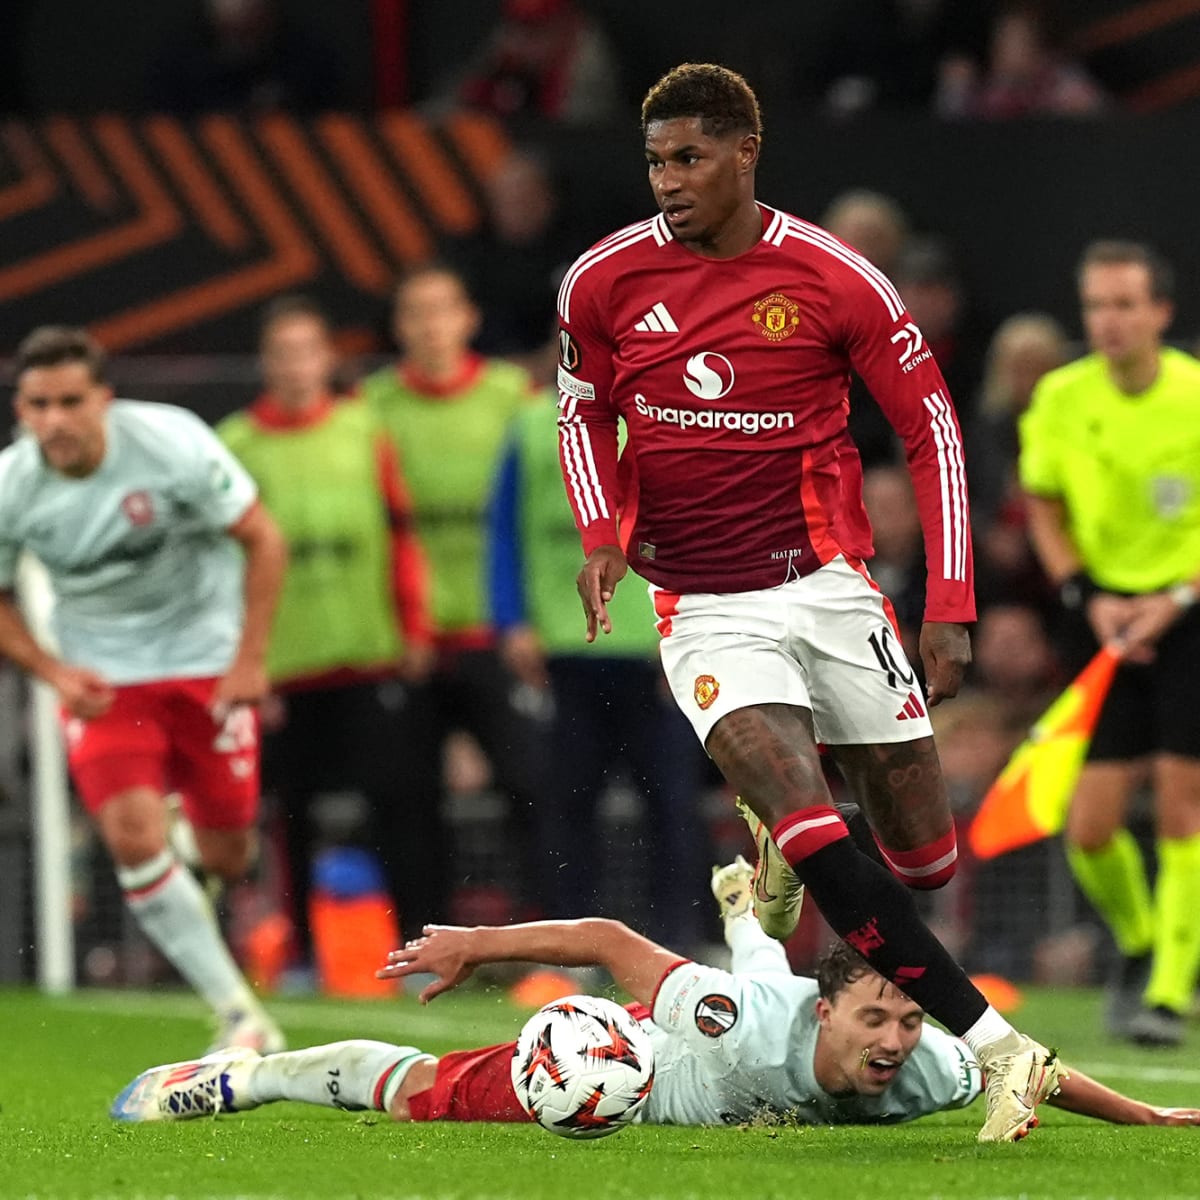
x,y
926,867
142,891
382,1082
805,832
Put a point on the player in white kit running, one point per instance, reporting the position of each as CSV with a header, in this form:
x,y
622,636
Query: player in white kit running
x,y
846,1048
165,571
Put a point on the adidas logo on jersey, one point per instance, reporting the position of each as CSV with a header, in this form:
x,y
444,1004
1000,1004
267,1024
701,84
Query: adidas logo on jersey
x,y
912,708
657,320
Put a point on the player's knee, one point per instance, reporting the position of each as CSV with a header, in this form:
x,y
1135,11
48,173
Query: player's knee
x,y
420,1078
927,867
133,847
132,842
132,826
1089,831
1088,839
227,853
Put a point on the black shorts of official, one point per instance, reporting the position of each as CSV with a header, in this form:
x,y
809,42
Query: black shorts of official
x,y
1153,708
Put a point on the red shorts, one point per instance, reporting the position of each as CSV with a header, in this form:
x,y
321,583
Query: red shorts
x,y
476,1085
471,1085
162,735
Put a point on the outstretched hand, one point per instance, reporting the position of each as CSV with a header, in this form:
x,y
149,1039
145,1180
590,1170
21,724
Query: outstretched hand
x,y
597,582
1176,1116
946,654
444,951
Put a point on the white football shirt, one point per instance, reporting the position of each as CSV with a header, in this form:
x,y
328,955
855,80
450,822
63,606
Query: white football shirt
x,y
730,1045
147,583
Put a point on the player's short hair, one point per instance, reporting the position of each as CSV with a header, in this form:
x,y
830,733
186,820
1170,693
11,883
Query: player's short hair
x,y
1110,252
878,203
839,967
722,100
53,345
284,308
424,270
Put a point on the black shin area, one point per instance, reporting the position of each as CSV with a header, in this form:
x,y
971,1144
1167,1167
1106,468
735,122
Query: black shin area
x,y
871,910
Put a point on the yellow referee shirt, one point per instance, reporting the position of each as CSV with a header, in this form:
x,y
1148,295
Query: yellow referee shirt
x,y
1127,469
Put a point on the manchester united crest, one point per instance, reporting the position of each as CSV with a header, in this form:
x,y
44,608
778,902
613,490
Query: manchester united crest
x,y
706,690
776,316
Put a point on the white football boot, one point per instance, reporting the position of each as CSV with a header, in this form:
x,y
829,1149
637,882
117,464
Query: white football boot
x,y
184,1090
1020,1073
778,894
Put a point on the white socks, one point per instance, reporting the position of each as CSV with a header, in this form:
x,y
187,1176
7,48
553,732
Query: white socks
x,y
990,1030
348,1075
753,952
171,908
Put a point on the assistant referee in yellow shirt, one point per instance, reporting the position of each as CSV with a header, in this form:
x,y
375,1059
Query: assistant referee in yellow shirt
x,y
1110,462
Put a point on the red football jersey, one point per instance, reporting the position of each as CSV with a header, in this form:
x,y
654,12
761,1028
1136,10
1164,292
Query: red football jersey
x,y
732,377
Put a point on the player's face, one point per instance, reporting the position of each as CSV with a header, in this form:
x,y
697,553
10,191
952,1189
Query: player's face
x,y
297,359
63,407
1123,320
699,181
434,318
868,1031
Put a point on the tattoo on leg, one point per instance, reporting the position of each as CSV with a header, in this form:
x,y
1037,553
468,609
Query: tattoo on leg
x,y
900,788
767,754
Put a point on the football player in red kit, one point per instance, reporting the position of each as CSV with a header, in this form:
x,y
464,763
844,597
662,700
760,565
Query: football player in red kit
x,y
723,332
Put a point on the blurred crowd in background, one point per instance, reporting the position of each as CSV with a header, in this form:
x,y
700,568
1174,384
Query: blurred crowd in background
x,y
503,772
587,62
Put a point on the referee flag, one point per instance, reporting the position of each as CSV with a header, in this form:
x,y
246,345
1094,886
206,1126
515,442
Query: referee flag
x,y
1030,797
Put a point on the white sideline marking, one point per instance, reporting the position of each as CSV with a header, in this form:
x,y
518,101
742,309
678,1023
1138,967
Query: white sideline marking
x,y
348,1016
1104,1071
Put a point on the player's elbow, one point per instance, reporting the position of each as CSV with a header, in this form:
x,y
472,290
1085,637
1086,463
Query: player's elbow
x,y
608,941
257,531
603,931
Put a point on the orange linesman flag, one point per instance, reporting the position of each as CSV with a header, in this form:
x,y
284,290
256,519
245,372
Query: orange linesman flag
x,y
1030,798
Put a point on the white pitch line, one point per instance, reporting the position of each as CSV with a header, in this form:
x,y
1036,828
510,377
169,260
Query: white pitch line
x,y
1104,1071
407,1016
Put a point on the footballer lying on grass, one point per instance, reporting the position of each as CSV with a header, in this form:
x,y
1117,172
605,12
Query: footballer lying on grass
x,y
844,1048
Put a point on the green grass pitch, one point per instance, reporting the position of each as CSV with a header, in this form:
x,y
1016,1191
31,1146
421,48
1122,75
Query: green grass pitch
x,y
63,1060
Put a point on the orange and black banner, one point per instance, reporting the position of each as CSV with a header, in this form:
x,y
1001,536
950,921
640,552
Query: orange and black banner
x,y
162,234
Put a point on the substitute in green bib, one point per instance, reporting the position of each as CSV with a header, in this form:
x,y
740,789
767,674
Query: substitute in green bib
x,y
1110,462
613,715
448,411
352,636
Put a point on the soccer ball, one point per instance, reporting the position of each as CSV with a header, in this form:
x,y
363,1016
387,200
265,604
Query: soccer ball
x,y
583,1067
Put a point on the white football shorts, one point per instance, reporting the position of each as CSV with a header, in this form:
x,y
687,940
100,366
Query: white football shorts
x,y
823,642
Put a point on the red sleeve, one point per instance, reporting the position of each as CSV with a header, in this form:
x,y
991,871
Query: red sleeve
x,y
679,962
410,574
587,419
887,349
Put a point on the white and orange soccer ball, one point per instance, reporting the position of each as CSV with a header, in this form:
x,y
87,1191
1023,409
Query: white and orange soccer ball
x,y
583,1067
